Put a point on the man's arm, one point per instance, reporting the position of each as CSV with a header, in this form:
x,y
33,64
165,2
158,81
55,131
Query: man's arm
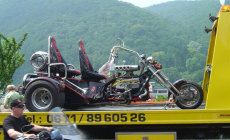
x,y
5,106
13,134
6,101
41,128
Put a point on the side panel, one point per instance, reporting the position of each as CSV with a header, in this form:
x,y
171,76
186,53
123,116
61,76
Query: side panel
x,y
130,117
75,97
218,96
209,61
195,124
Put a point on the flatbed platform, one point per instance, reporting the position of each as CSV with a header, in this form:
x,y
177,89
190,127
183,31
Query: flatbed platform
x,y
126,115
99,123
132,107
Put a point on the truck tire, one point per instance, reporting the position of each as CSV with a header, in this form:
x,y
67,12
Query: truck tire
x,y
42,96
191,95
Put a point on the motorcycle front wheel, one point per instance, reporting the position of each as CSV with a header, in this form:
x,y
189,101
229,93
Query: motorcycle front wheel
x,y
190,97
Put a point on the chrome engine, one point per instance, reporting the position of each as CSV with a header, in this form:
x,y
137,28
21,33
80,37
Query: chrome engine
x,y
132,83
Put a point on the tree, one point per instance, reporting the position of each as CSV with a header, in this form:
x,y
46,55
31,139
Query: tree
x,y
10,59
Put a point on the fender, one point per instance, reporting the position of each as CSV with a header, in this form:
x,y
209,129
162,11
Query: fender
x,y
176,84
54,82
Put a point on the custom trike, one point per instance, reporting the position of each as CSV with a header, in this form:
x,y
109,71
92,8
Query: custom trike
x,y
56,83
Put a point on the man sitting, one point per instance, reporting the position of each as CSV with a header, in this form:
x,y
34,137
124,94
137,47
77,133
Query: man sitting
x,y
13,123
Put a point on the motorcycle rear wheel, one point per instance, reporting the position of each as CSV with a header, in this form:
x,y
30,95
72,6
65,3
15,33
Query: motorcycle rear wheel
x,y
42,96
190,97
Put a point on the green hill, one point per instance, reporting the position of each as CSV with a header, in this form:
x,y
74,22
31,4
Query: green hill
x,y
99,23
190,17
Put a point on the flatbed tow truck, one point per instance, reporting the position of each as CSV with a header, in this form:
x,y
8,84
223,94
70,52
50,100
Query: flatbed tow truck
x,y
146,122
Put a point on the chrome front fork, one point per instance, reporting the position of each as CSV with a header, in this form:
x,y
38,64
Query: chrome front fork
x,y
164,81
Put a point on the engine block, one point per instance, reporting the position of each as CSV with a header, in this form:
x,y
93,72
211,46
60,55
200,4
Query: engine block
x,y
127,83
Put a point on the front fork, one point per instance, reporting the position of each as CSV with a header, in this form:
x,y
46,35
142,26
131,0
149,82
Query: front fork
x,y
165,81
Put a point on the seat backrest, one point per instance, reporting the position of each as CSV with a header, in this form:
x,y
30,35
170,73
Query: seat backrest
x,y
87,72
85,64
55,55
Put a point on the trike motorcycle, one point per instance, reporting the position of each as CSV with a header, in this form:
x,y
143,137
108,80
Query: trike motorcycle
x,y
56,83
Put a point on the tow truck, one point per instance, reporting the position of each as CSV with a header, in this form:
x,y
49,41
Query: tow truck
x,y
210,122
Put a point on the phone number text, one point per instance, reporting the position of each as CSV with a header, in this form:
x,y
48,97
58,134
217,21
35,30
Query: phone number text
x,y
123,117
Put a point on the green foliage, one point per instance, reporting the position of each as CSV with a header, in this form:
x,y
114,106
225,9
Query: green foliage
x,y
190,18
10,58
161,98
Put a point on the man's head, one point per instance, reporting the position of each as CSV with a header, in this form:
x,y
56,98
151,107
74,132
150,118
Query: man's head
x,y
17,107
16,103
10,87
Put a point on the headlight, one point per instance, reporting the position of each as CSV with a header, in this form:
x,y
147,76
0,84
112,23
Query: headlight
x,y
39,60
150,58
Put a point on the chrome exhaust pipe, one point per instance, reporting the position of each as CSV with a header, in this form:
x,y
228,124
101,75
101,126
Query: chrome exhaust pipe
x,y
144,94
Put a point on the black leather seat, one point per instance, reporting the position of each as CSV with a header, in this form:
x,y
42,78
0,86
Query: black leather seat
x,y
87,71
56,57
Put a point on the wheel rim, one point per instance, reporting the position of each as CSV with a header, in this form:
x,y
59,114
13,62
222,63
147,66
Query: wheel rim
x,y
188,95
41,98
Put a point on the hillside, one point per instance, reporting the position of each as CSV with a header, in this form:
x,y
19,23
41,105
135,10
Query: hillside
x,y
190,16
99,23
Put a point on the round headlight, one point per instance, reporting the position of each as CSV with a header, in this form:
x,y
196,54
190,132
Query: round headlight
x,y
150,58
39,60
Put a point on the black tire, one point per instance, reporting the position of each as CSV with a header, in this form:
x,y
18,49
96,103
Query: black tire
x,y
191,95
42,96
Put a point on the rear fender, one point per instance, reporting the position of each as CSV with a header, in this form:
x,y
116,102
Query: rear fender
x,y
54,82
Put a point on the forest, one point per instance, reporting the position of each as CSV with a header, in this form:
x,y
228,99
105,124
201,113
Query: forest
x,y
172,32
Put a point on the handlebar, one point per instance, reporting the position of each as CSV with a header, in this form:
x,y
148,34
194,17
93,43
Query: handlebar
x,y
141,60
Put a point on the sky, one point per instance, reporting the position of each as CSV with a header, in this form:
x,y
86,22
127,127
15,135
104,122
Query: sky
x,y
145,3
222,2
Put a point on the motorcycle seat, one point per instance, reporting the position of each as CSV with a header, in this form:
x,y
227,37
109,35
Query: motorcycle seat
x,y
87,71
56,57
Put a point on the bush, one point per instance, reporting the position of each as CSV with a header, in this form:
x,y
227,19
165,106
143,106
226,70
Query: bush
x,y
161,98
